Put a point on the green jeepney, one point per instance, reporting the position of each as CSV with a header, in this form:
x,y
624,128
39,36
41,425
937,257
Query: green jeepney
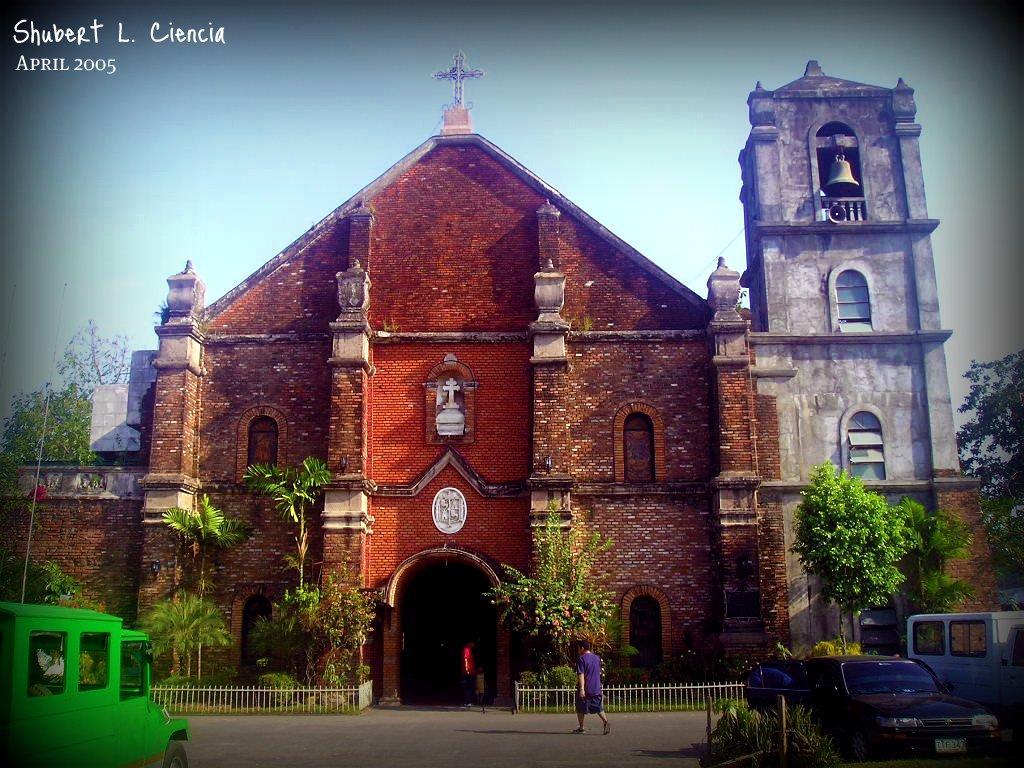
x,y
74,690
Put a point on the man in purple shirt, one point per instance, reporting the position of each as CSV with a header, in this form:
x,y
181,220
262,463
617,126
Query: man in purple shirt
x,y
588,695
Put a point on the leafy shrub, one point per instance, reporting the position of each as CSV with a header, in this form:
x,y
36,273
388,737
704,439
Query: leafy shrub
x,y
278,680
529,679
809,747
834,647
692,666
562,676
627,676
741,731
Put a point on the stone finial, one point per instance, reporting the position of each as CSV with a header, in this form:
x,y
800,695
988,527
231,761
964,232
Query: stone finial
x,y
185,294
758,88
360,211
724,291
813,69
903,105
547,209
353,290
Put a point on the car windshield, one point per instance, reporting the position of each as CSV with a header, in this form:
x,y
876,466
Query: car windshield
x,y
887,677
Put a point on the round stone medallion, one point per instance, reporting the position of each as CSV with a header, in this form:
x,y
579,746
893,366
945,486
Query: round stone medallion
x,y
449,510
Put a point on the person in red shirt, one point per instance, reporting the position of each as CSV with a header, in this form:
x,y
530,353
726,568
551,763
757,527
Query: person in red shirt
x,y
468,673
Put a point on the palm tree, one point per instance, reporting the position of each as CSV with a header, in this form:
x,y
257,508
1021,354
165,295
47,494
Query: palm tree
x,y
935,538
294,489
202,529
185,624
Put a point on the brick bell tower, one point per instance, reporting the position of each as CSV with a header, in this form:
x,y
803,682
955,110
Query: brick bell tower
x,y
845,311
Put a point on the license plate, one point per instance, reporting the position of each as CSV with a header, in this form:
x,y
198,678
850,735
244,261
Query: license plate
x,y
950,746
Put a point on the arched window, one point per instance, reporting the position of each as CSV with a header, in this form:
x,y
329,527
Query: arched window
x,y
638,448
645,631
853,305
866,450
256,607
262,441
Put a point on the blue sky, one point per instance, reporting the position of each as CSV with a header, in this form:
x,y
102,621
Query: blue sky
x,y
636,112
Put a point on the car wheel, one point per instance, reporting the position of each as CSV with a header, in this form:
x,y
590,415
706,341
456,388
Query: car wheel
x,y
174,755
860,750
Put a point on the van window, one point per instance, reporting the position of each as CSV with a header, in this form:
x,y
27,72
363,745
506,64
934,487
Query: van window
x,y
967,638
46,656
93,661
1018,649
929,638
132,682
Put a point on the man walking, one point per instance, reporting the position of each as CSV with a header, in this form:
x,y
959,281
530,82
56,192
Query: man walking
x,y
588,695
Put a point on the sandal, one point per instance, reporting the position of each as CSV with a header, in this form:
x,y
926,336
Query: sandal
x,y
607,728
579,730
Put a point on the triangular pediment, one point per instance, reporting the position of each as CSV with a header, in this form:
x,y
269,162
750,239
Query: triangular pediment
x,y
506,274
455,460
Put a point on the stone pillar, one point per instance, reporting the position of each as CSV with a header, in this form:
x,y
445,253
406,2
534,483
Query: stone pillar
x,y
904,110
173,479
744,563
550,481
763,144
346,517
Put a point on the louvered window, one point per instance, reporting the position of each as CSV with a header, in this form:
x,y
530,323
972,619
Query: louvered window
x,y
852,302
867,452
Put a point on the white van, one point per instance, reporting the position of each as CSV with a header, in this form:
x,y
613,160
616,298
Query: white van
x,y
979,655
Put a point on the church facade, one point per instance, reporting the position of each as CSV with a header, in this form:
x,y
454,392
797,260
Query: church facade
x,y
468,351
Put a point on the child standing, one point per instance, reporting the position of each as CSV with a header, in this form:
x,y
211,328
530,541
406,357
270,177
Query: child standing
x,y
481,687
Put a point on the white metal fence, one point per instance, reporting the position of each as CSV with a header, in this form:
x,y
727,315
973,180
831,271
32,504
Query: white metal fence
x,y
231,699
628,698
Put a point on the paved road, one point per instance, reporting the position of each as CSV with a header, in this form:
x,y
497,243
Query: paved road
x,y
410,738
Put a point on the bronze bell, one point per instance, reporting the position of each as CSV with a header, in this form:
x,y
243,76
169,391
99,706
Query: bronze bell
x,y
840,173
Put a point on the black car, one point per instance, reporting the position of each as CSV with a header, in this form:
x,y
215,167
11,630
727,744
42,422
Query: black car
x,y
877,704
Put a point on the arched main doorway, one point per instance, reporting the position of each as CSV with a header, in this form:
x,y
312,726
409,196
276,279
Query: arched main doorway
x,y
442,606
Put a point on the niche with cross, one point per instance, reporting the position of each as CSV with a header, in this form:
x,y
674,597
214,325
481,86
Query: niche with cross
x,y
450,399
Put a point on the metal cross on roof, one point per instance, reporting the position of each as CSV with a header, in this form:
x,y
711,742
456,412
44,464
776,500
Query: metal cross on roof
x,y
457,74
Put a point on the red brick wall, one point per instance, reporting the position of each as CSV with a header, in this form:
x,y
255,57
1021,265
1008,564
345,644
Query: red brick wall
x,y
497,528
454,248
294,378
98,541
501,447
662,541
976,569
671,376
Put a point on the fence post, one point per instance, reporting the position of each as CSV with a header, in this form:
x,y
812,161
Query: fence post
x,y
783,740
515,697
707,751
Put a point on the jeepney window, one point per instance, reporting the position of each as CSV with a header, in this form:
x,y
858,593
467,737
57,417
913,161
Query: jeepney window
x,y
929,639
132,665
46,656
967,638
93,661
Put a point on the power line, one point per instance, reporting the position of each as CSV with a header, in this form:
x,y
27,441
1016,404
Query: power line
x,y
42,442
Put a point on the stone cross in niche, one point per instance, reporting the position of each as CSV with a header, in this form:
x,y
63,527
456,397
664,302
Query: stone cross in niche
x,y
450,387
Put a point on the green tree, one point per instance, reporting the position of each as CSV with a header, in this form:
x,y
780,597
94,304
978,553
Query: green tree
x,y
851,539
183,625
933,539
294,490
565,600
1004,522
318,631
992,440
202,530
67,420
